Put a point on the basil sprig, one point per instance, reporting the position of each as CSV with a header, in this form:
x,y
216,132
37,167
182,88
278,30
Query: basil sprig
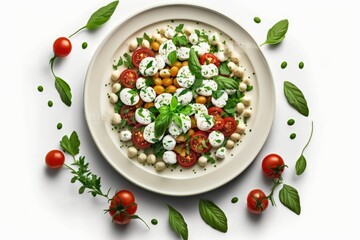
x,y
277,33
301,162
226,83
296,98
177,223
195,69
213,215
289,197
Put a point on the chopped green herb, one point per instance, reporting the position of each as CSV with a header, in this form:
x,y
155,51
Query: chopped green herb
x,y
84,45
139,41
179,28
283,65
118,64
293,136
257,20
154,221
59,126
301,65
128,62
50,103
234,200
40,88
291,122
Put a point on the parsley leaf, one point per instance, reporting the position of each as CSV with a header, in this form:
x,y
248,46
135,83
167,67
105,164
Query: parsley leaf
x,y
71,145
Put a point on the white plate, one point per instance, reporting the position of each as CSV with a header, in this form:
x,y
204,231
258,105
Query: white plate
x,y
178,182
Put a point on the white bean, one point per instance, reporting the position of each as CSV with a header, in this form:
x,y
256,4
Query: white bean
x,y
240,128
231,66
246,100
160,166
132,152
145,44
242,87
240,108
235,137
162,40
156,37
115,75
151,159
230,144
113,98
141,158
247,112
202,161
188,30
116,119
239,72
247,81
133,45
235,57
116,87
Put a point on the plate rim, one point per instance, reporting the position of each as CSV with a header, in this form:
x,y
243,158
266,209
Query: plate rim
x,y
100,47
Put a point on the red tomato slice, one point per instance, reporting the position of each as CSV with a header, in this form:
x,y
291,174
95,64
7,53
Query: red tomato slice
x,y
215,111
229,126
199,142
219,123
209,58
140,54
188,160
128,113
137,137
128,78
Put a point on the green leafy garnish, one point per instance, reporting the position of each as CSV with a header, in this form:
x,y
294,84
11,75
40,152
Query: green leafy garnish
x,y
64,90
194,65
128,61
172,57
277,33
217,94
162,122
296,98
147,37
179,28
180,41
223,68
289,197
177,223
301,162
213,215
118,64
139,41
71,144
225,83
173,103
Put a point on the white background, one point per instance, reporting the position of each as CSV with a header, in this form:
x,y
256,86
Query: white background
x,y
36,202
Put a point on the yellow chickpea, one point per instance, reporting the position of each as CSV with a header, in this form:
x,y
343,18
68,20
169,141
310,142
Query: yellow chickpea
x,y
176,83
155,46
159,89
185,63
156,75
158,81
190,132
178,65
171,89
165,73
149,105
200,99
174,71
193,122
167,82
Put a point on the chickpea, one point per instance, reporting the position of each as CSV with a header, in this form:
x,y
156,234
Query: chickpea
x,y
202,161
235,137
185,63
159,89
165,73
132,152
155,46
171,89
151,159
176,83
193,122
116,87
178,65
166,82
149,105
158,81
200,99
113,98
230,144
142,158
174,71
156,75
160,166
190,132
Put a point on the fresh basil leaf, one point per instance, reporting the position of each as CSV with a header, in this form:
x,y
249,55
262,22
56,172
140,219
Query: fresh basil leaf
x,y
128,61
179,28
173,103
139,41
158,149
300,165
162,122
101,16
210,159
277,33
214,48
154,110
186,110
183,92
217,94
296,98
172,57
289,197
225,83
119,63
148,38
194,64
180,41
163,109
64,90
149,81
70,144
230,111
177,223
122,123
177,120
249,88
223,69
197,32
213,215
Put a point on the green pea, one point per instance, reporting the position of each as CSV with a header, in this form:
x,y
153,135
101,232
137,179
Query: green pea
x,y
291,122
50,103
59,126
40,88
293,136
234,200
283,64
257,19
84,45
154,221
301,65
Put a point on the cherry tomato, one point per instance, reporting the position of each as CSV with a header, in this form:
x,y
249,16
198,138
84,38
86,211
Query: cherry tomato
x,y
215,111
140,54
273,166
137,137
55,159
128,113
188,160
257,201
209,58
128,78
62,47
122,207
229,126
199,142
219,123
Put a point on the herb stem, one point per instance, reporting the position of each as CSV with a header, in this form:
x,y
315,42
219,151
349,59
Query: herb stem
x,y
77,31
312,130
270,196
52,60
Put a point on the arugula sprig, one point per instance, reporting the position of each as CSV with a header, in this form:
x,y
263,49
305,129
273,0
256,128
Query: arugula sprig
x,y
170,113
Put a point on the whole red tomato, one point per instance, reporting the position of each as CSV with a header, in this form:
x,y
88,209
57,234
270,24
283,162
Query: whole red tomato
x,y
55,159
62,47
257,202
273,166
122,207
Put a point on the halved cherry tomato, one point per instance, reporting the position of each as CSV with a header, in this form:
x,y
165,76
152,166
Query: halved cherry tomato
x,y
209,58
137,137
128,113
128,78
140,54
215,111
229,126
188,160
219,123
199,142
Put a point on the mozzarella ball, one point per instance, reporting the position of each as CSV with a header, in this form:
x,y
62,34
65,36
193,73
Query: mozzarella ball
x,y
184,99
246,100
169,157
230,144
240,128
169,142
216,138
220,153
147,94
239,72
231,66
198,50
160,166
113,98
129,97
149,133
163,99
143,116
151,159
132,152
148,66
204,122
235,57
214,38
240,107
183,53
221,56
235,137
169,33
160,62
116,119
140,83
247,113
116,87
202,161
205,47
115,75
242,87
125,135
193,38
